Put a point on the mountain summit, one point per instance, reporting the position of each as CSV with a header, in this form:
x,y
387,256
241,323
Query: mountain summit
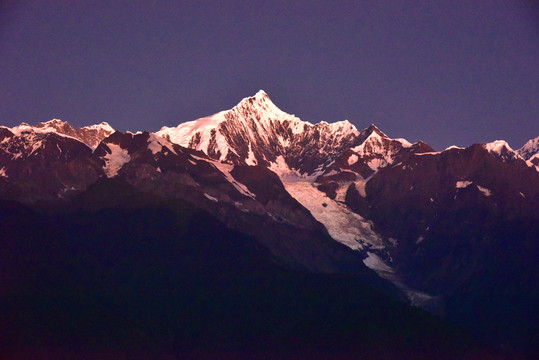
x,y
256,131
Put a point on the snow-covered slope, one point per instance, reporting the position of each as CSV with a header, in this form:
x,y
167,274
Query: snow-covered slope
x,y
115,159
257,132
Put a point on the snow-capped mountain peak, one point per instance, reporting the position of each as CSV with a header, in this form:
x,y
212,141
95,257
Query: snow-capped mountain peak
x,y
502,149
378,148
256,131
374,129
498,147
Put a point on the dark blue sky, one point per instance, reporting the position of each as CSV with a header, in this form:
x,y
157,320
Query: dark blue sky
x,y
446,72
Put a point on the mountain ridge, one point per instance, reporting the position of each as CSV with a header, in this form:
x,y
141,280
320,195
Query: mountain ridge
x,y
185,133
325,198
90,135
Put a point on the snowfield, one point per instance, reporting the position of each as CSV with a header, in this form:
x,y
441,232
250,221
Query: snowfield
x,y
342,224
115,160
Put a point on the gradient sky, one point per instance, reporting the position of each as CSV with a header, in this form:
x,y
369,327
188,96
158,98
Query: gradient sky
x,y
446,72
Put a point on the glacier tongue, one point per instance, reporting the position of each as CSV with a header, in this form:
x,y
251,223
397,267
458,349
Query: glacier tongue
x,y
354,231
342,224
417,298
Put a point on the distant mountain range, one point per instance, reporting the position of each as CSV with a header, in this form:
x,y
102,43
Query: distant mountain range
x,y
454,232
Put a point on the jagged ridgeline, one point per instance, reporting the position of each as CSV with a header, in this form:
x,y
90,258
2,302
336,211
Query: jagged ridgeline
x,y
252,232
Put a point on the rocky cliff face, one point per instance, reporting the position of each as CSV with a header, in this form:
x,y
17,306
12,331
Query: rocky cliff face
x,y
530,152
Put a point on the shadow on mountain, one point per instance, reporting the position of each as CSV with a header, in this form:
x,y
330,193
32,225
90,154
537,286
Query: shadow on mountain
x,y
120,274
